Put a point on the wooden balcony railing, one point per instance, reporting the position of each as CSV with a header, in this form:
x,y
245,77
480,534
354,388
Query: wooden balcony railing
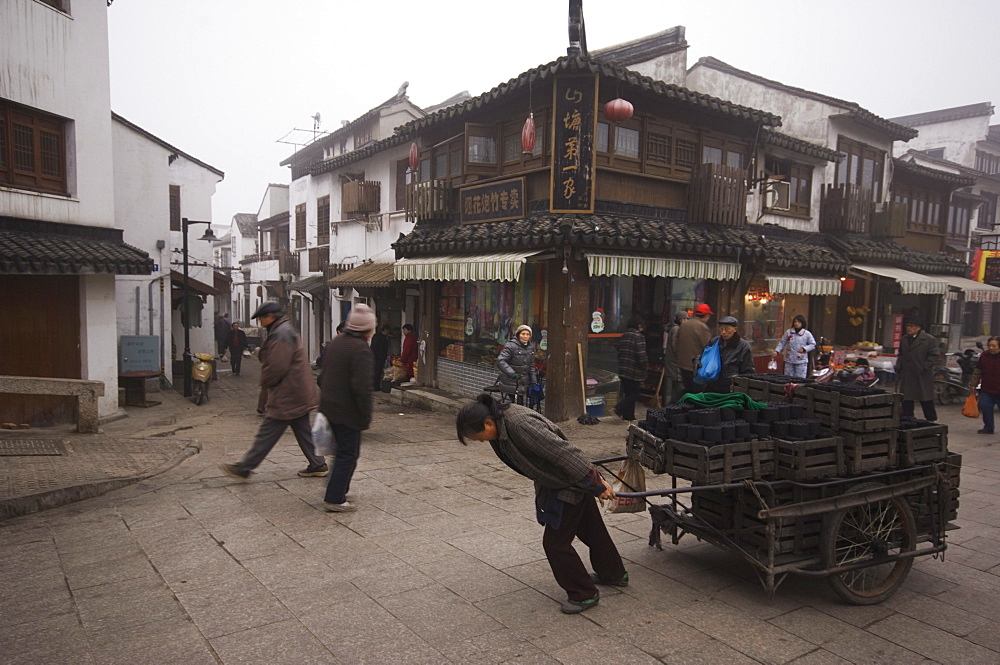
x,y
361,197
718,195
890,221
846,208
428,200
319,258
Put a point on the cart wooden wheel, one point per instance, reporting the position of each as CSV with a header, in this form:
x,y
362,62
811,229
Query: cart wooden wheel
x,y
869,533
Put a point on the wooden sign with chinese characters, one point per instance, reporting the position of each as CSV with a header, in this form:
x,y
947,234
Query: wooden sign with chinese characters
x,y
493,202
574,127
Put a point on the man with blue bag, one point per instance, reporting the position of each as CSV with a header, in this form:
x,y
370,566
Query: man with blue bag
x,y
725,356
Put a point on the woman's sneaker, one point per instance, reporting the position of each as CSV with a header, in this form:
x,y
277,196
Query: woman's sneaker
x,y
619,582
577,606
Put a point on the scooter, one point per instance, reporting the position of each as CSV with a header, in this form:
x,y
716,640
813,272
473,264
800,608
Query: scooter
x,y
201,374
823,369
951,383
861,376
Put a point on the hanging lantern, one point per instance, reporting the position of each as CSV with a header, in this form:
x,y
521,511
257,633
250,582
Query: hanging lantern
x,y
618,110
414,157
528,135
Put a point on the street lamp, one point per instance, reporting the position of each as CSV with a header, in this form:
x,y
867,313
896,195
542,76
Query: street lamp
x,y
186,313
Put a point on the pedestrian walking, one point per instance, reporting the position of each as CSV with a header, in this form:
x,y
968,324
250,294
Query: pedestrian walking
x,y
734,352
796,343
987,372
346,401
236,342
221,333
565,486
918,356
633,364
287,381
516,362
671,372
380,351
692,336
408,356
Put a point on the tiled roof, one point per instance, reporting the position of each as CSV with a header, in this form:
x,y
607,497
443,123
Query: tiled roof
x,y
568,63
626,233
855,111
643,49
945,115
50,248
353,156
312,284
246,223
884,252
793,144
953,179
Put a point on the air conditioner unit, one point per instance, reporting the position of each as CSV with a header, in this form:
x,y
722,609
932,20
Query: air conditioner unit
x,y
777,195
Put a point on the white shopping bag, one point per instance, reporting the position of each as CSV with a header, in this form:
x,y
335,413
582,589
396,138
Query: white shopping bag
x,y
323,441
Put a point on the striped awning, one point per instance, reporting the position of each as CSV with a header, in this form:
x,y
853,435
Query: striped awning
x,y
372,275
803,285
464,267
910,283
974,291
611,265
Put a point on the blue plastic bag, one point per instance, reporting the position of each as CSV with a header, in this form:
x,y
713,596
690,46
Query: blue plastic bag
x,y
710,365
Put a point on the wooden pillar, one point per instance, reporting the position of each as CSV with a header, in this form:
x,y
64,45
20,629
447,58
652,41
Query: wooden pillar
x,y
569,321
429,333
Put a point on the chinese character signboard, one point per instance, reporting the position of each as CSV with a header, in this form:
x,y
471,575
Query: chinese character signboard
x,y
493,202
897,330
986,267
574,127
139,353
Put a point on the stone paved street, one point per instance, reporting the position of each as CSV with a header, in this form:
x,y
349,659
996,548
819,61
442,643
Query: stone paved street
x,y
441,563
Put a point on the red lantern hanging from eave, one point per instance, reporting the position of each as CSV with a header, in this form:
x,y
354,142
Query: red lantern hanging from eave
x,y
618,110
528,135
414,156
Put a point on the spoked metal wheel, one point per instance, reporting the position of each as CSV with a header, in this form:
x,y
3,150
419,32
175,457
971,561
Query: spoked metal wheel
x,y
869,534
199,392
942,391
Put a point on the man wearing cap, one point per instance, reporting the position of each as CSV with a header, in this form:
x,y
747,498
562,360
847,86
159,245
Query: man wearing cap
x,y
291,395
918,356
692,336
346,400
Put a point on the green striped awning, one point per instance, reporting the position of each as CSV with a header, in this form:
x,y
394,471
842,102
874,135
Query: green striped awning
x,y
910,283
803,285
654,266
464,267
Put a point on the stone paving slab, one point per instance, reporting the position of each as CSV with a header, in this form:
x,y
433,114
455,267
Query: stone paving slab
x,y
442,563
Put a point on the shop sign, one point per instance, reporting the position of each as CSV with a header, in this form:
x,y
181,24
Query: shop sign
x,y
897,330
986,267
574,128
493,202
597,321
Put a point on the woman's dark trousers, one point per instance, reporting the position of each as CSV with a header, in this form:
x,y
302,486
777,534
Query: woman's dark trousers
x,y
582,521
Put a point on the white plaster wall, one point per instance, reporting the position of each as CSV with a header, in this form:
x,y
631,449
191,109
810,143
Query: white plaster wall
x,y
670,68
957,137
274,202
98,352
59,64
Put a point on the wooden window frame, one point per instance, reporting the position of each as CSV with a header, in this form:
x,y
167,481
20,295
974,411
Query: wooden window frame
x,y
486,131
403,177
174,195
987,162
300,226
727,146
512,130
959,218
43,129
851,168
794,173
323,220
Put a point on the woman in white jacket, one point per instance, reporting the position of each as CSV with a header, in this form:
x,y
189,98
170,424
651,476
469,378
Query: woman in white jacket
x,y
796,342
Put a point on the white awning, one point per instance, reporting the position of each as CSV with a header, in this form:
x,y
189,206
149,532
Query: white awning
x,y
803,285
463,267
910,283
974,291
652,266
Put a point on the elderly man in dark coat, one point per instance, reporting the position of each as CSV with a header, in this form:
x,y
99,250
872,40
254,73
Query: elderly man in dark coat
x,y
291,394
918,356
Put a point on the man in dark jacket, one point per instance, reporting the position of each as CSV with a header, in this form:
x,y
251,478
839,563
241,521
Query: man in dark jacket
x,y
671,372
734,352
380,351
633,363
346,400
516,362
988,372
918,356
692,336
221,332
236,342
291,394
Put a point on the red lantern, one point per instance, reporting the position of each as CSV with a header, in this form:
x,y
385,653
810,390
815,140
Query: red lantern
x,y
414,156
528,135
618,110
847,285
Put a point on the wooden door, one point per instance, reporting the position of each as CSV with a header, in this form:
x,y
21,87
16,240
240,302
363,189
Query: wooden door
x,y
39,336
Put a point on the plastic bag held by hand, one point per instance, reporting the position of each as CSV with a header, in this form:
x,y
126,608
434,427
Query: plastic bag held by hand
x,y
971,408
323,442
772,364
710,365
631,477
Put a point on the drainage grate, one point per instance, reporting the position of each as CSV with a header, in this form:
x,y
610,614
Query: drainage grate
x,y
29,447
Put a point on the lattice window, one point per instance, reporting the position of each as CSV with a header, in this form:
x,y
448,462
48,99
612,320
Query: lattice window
x,y
658,149
323,220
300,226
686,154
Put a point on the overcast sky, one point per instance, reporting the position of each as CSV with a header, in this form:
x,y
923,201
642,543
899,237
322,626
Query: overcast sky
x,y
224,80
